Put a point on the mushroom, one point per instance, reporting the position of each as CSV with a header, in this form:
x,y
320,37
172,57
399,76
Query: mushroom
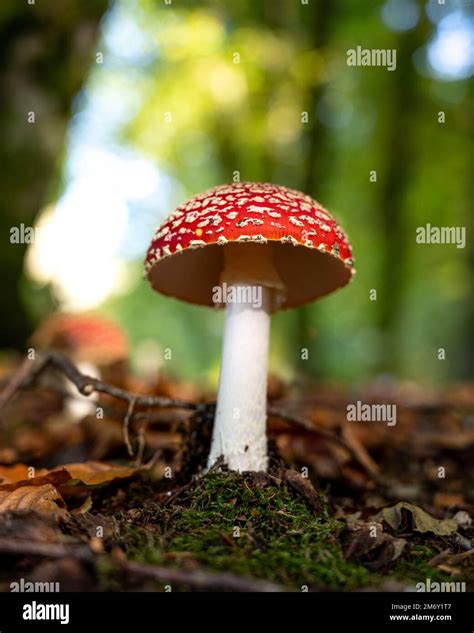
x,y
253,248
97,346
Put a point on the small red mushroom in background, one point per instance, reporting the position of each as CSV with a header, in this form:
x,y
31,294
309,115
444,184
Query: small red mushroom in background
x,y
254,248
96,345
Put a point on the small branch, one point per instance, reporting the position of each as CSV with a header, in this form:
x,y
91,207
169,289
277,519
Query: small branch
x,y
16,381
141,442
311,428
50,550
458,558
126,423
198,579
328,435
88,385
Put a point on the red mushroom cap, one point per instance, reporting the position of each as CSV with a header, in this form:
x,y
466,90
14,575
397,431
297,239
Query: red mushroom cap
x,y
88,337
311,252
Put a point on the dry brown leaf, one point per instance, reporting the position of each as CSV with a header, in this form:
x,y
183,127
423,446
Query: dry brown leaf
x,y
370,545
88,473
17,472
305,489
421,520
96,473
54,478
44,500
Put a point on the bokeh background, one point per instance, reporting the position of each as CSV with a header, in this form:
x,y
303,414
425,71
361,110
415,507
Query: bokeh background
x,y
138,105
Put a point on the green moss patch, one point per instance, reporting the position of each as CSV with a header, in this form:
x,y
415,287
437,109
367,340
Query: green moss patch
x,y
237,523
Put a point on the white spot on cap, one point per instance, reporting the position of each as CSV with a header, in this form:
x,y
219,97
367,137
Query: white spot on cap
x,y
247,221
191,217
295,221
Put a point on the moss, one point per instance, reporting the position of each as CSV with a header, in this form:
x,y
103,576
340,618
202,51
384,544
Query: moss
x,y
228,522
255,526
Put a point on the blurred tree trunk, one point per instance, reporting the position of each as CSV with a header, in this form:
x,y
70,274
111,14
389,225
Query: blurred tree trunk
x,y
45,51
467,337
317,163
393,179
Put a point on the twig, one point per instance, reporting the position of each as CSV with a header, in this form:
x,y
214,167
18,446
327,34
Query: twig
x,y
328,435
16,381
311,428
439,558
126,422
141,443
458,558
154,458
199,579
88,385
49,550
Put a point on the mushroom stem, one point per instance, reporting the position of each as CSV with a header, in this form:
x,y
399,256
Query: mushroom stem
x,y
78,406
239,434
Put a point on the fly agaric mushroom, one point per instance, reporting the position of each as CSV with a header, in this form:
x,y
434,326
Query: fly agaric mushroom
x,y
254,248
95,344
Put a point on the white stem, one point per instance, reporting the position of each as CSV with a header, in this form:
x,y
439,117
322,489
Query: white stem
x,y
77,405
239,434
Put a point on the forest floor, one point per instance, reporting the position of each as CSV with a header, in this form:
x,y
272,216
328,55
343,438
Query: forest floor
x,y
344,506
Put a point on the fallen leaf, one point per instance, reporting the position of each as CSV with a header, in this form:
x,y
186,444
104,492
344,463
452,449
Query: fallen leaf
x,y
44,500
42,477
305,489
9,474
421,521
88,473
374,552
96,473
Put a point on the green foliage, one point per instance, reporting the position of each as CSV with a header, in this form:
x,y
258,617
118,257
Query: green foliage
x,y
223,91
246,117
